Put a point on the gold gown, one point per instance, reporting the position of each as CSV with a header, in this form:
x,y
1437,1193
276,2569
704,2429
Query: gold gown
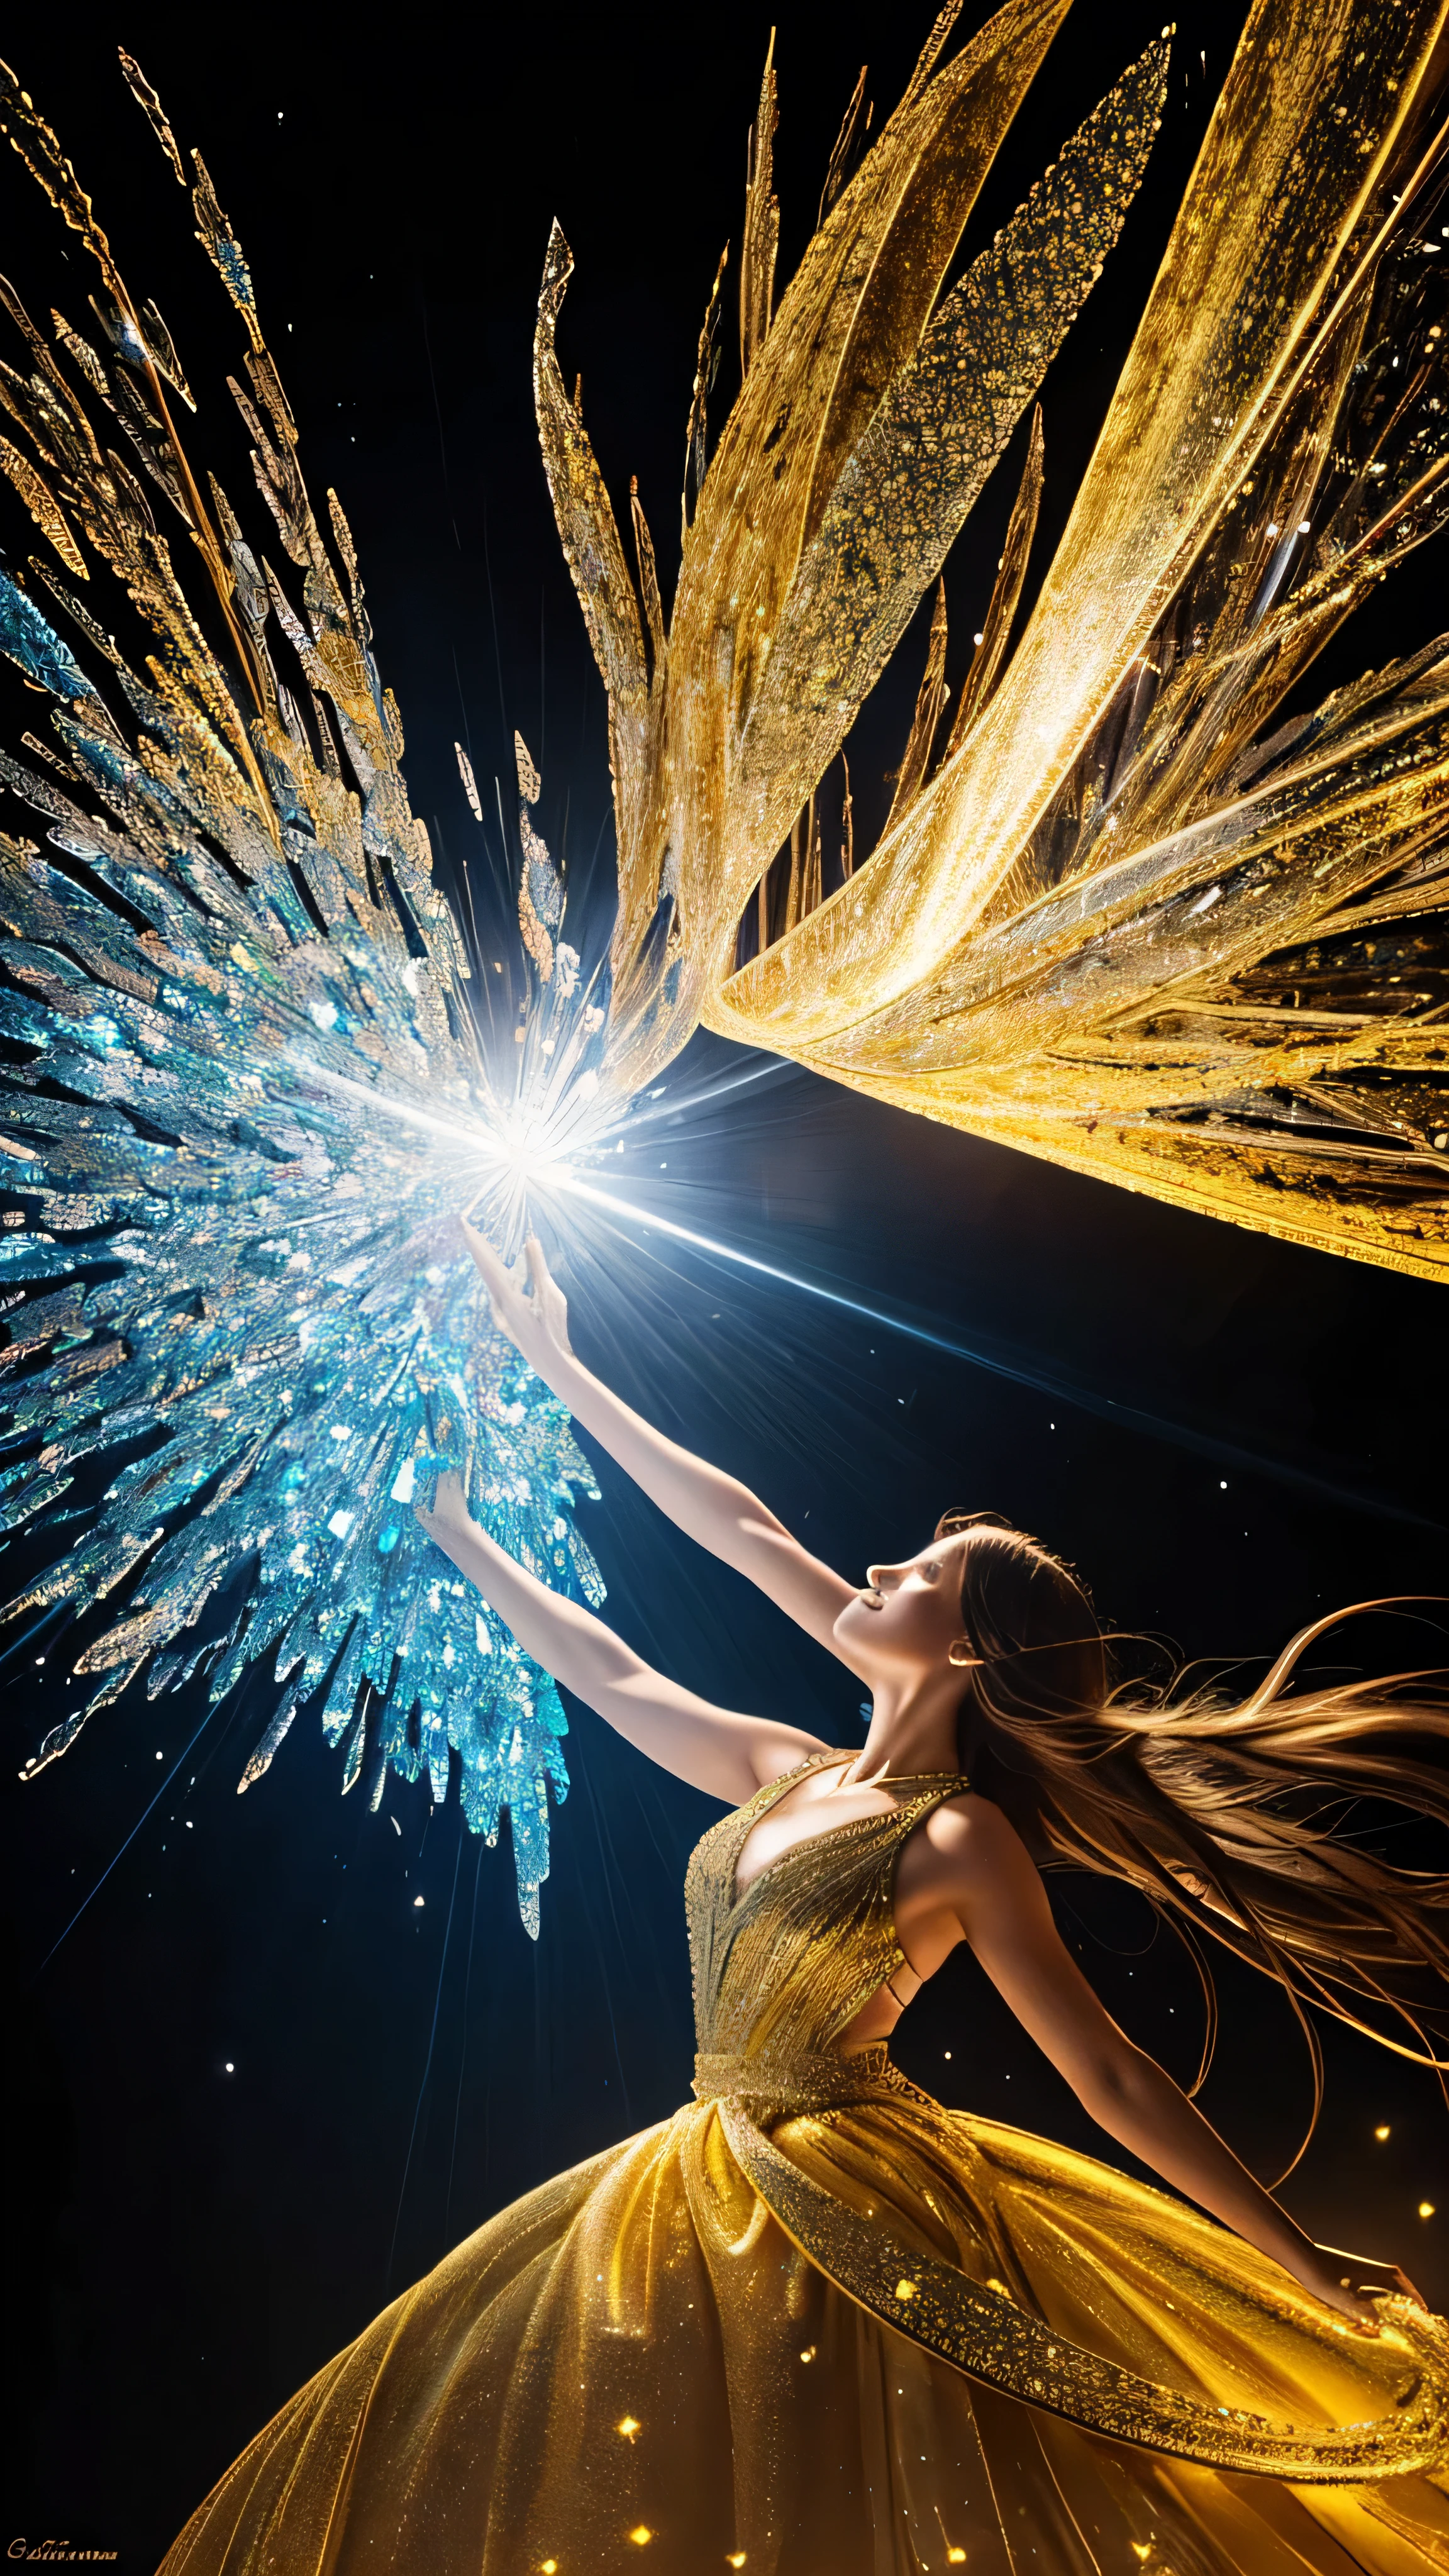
x,y
817,2325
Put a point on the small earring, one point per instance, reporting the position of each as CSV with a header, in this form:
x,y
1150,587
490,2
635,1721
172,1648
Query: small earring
x,y
961,1663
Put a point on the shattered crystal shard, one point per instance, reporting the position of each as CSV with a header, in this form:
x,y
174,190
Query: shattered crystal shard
x,y
243,1105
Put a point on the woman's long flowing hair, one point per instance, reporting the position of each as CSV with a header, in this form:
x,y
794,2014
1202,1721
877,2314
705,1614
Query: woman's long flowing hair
x,y
1227,1814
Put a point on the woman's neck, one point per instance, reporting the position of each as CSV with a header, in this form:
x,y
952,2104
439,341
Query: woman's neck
x,y
912,1733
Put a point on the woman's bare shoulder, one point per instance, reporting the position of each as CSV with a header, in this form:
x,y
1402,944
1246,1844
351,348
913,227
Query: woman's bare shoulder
x,y
970,1842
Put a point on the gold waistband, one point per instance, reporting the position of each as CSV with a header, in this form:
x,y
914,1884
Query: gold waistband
x,y
809,2080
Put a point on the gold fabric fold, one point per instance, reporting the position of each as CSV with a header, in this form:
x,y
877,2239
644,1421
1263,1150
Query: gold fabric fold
x,y
982,2330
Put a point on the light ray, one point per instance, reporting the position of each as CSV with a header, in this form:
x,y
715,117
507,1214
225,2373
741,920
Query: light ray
x,y
427,2064
130,1838
698,1099
1064,1390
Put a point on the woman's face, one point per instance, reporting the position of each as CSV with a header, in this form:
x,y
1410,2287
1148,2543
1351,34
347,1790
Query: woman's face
x,y
908,1616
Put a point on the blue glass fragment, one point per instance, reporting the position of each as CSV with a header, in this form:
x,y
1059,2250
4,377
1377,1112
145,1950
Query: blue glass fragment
x,y
233,1145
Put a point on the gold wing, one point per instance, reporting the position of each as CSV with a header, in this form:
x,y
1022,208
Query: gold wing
x,y
1125,921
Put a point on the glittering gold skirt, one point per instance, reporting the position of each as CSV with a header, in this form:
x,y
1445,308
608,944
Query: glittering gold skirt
x,y
638,2367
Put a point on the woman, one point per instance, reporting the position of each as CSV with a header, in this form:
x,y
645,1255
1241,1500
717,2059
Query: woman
x,y
814,2324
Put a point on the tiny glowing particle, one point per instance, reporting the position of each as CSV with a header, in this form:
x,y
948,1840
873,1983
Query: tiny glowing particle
x,y
548,2567
955,2557
905,2289
1141,2548
1426,2209
417,1900
734,2558
641,2534
230,2069
809,2352
1382,2131
629,2427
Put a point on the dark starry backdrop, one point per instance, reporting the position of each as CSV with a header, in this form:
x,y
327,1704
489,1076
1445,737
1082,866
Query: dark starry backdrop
x,y
252,2035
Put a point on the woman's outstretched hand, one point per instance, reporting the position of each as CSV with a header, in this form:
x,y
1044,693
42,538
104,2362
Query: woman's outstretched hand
x,y
537,1324
1342,2281
448,1512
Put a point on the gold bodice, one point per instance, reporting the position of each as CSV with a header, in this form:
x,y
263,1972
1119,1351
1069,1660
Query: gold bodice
x,y
782,1969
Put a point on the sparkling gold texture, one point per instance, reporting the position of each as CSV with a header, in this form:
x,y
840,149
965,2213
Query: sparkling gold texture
x,y
844,2332
1125,916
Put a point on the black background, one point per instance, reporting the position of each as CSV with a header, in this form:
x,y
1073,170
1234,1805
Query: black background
x,y
1228,1435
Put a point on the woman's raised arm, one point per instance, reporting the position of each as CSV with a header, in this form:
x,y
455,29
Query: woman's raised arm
x,y
722,1515
726,1755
